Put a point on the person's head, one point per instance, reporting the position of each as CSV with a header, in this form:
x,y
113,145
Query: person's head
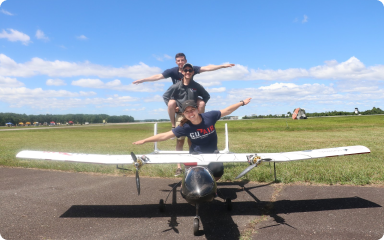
x,y
190,110
181,59
188,70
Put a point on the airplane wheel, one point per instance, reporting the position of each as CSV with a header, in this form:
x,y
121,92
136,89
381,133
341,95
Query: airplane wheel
x,y
161,205
228,201
195,226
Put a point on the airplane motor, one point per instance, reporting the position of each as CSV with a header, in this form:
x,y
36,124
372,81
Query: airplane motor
x,y
138,164
254,161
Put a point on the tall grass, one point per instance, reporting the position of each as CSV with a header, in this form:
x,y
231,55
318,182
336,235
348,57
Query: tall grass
x,y
253,136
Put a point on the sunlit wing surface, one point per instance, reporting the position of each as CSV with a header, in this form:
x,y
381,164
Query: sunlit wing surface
x,y
76,157
199,159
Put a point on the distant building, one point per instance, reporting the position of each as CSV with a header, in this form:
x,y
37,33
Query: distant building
x,y
357,111
230,118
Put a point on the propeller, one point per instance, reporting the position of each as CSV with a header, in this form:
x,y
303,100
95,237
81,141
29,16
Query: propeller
x,y
246,171
254,160
137,165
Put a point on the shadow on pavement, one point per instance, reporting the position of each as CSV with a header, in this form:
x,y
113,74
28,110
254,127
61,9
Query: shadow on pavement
x,y
216,221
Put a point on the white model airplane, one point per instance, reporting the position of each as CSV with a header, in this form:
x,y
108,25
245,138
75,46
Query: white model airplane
x,y
198,184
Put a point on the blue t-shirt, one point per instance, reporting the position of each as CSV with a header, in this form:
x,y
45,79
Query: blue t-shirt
x,y
175,75
203,135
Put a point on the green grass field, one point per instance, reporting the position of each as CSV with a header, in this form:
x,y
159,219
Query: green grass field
x,y
260,135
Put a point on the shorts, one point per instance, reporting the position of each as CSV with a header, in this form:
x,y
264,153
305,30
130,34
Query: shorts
x,y
178,118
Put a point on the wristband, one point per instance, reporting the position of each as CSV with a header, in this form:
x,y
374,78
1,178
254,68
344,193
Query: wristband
x,y
242,102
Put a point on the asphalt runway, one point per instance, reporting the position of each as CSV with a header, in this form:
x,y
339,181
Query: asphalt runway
x,y
42,204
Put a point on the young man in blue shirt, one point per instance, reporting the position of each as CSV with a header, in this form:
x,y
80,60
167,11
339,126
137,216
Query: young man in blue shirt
x,y
177,74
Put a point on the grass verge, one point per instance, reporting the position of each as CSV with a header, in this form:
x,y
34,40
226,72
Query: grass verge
x,y
253,136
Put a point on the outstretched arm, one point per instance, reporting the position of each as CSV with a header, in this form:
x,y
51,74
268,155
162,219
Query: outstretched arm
x,y
233,107
150,79
157,138
215,67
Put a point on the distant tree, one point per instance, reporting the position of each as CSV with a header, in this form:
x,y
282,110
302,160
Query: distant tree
x,y
77,118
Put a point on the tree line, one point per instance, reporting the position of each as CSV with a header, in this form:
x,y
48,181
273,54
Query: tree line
x,y
75,118
374,110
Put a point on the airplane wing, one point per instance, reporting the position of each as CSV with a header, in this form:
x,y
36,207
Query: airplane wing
x,y
76,157
198,159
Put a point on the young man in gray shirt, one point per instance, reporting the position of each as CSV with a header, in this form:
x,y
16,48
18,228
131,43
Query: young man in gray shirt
x,y
186,89
177,74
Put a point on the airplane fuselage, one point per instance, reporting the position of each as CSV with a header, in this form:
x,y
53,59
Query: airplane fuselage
x,y
198,185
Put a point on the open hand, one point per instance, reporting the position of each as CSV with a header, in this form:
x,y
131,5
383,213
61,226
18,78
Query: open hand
x,y
247,100
137,82
138,142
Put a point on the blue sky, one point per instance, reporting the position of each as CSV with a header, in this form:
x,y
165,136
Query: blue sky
x,y
61,57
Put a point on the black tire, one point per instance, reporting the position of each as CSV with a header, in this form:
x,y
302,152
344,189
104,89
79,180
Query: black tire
x,y
196,226
228,202
161,205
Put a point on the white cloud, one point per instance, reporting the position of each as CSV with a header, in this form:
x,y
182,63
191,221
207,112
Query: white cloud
x,y
117,85
134,109
352,69
305,19
55,82
287,93
162,58
82,37
284,92
14,36
210,84
7,93
156,98
10,82
40,35
159,110
225,74
50,99
279,74
38,66
6,12
90,83
213,90
220,101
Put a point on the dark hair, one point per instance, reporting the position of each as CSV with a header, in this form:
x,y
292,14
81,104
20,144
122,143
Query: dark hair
x,y
183,121
180,55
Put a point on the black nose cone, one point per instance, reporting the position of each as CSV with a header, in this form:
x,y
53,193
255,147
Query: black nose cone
x,y
198,185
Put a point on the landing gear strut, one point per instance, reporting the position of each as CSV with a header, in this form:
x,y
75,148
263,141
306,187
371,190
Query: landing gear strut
x,y
196,221
161,205
228,202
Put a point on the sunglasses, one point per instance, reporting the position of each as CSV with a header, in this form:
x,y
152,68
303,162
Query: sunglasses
x,y
188,70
